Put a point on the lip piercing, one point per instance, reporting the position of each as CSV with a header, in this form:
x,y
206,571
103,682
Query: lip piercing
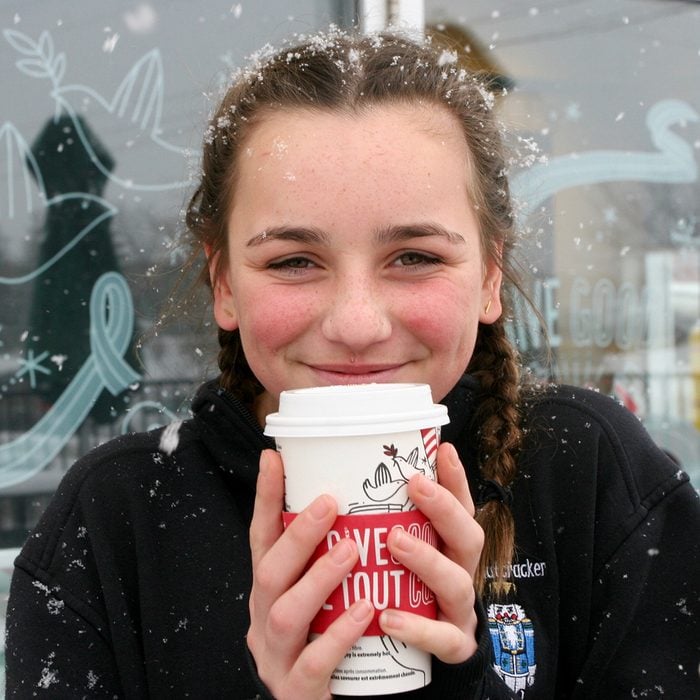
x,y
352,358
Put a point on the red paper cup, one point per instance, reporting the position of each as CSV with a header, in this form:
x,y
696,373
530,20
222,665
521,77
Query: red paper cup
x,y
361,444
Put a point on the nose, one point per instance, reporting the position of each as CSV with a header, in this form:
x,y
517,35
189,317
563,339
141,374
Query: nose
x,y
356,314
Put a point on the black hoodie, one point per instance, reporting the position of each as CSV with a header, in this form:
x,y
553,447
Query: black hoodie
x,y
135,582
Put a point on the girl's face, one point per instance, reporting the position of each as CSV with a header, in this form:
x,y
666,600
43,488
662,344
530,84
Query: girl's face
x,y
354,252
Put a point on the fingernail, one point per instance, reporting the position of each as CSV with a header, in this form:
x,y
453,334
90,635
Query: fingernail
x,y
400,540
342,551
320,508
454,458
426,487
389,619
264,463
360,610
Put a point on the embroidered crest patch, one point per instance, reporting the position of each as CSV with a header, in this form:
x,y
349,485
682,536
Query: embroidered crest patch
x,y
513,639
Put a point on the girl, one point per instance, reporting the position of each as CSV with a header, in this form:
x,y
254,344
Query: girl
x,y
357,225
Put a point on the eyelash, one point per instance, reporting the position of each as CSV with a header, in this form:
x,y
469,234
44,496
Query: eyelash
x,y
288,264
422,259
299,264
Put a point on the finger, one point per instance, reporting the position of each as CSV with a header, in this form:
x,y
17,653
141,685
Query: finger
x,y
453,476
296,609
287,558
449,581
462,537
266,525
325,653
442,639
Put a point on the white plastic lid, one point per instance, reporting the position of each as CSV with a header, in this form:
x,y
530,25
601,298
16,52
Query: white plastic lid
x,y
355,409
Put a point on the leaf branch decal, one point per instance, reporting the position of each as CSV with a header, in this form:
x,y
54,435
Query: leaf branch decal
x,y
41,59
135,108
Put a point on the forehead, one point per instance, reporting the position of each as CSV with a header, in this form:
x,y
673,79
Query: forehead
x,y
400,146
279,133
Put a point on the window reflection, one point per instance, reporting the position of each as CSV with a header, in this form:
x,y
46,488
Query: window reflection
x,y
606,176
96,153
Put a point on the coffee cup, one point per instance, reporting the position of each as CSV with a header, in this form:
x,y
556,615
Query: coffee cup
x,y
361,444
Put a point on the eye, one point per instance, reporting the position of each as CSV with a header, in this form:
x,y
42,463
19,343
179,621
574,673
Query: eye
x,y
413,258
292,267
291,264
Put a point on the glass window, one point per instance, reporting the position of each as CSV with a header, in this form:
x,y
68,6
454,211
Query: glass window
x,y
103,109
603,97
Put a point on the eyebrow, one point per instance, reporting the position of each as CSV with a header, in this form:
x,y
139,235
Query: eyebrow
x,y
394,234
300,234
382,236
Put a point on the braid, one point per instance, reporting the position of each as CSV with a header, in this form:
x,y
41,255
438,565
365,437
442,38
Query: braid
x,y
236,375
496,366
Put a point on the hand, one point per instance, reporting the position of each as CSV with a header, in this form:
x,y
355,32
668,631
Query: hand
x,y
284,600
449,573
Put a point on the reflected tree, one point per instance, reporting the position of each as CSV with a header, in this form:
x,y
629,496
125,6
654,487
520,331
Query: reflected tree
x,y
59,321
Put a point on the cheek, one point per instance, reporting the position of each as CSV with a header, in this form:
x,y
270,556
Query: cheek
x,y
271,319
445,318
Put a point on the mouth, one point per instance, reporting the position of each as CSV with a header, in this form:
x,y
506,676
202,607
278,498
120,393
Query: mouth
x,y
356,373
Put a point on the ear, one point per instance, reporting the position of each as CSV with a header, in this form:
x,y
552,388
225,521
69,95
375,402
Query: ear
x,y
491,308
224,307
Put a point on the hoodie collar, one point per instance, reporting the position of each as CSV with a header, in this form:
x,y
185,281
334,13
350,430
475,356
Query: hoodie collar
x,y
229,431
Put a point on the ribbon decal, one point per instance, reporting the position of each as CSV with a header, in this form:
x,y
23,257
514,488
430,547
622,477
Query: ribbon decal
x,y
111,326
673,161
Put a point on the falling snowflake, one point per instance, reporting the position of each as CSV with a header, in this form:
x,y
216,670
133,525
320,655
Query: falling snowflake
x,y
92,679
170,438
573,111
58,360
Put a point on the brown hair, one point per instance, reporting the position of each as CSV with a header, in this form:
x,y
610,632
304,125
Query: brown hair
x,y
341,73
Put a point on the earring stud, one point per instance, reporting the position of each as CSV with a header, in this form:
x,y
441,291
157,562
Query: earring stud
x,y
487,307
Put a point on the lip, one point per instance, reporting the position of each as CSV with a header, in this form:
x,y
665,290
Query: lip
x,y
356,373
